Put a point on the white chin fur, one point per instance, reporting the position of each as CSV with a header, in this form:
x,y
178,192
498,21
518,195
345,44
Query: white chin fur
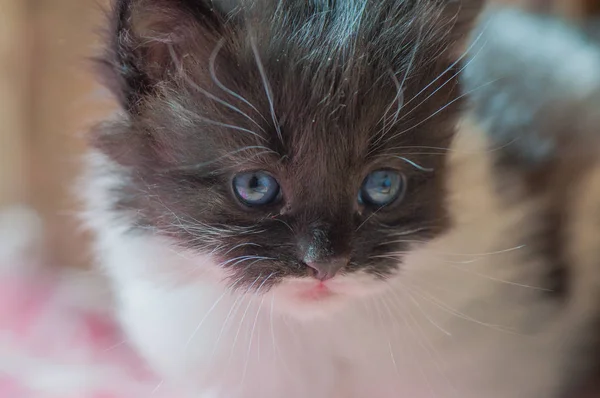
x,y
302,297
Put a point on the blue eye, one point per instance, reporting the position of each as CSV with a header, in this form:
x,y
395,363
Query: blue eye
x,y
381,188
256,188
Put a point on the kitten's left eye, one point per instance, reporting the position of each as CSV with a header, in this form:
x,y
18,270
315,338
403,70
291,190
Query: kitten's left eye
x,y
381,188
256,188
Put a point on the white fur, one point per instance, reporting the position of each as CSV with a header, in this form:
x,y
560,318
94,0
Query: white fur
x,y
21,233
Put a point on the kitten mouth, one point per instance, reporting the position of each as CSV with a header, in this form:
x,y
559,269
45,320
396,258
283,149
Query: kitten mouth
x,y
318,291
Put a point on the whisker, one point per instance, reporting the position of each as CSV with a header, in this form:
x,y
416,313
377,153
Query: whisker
x,y
448,253
159,385
207,315
450,79
189,81
431,352
114,346
416,336
284,223
232,311
415,165
216,123
369,217
458,61
276,349
241,245
236,260
398,99
383,326
213,76
442,109
412,299
237,334
400,92
254,328
266,85
411,231
491,278
199,166
444,151
446,308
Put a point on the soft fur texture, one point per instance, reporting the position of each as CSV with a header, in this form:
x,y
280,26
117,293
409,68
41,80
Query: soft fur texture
x,y
319,93
541,106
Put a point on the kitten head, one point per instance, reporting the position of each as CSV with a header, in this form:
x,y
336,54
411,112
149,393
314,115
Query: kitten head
x,y
299,144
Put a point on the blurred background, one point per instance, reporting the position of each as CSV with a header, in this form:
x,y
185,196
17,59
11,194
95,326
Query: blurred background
x,y
49,98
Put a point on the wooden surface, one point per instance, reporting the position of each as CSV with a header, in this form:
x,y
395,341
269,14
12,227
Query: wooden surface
x,y
66,103
48,98
15,46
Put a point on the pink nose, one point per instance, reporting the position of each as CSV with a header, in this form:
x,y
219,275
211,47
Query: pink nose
x,y
327,269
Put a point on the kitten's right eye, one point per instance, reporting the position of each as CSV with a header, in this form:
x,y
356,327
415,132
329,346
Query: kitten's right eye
x,y
381,188
256,188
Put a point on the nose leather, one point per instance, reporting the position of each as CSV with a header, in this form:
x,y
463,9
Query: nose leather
x,y
326,269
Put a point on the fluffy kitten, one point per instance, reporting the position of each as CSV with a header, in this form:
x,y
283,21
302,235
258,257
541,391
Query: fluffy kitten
x,y
271,203
270,171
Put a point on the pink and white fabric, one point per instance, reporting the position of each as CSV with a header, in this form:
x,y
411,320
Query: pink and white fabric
x,y
57,342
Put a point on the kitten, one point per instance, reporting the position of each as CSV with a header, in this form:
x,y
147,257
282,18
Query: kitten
x,y
281,214
255,200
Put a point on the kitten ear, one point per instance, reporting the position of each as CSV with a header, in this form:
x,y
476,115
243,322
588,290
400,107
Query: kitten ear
x,y
146,34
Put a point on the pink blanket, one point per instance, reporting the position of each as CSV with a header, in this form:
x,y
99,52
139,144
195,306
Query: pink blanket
x,y
58,340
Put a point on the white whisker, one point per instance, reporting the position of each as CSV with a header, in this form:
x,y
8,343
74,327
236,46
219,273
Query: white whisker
x,y
369,217
213,75
443,84
266,85
212,308
447,253
189,81
206,120
399,99
241,245
237,334
429,348
415,302
446,308
441,109
199,166
455,63
157,387
415,165
232,311
254,328
491,278
416,336
383,326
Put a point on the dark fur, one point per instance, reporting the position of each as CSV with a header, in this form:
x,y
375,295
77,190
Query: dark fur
x,y
332,70
546,138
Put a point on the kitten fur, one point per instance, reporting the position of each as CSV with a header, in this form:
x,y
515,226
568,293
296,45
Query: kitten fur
x,y
318,93
540,103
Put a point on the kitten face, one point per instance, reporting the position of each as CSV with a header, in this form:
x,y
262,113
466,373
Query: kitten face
x,y
290,141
